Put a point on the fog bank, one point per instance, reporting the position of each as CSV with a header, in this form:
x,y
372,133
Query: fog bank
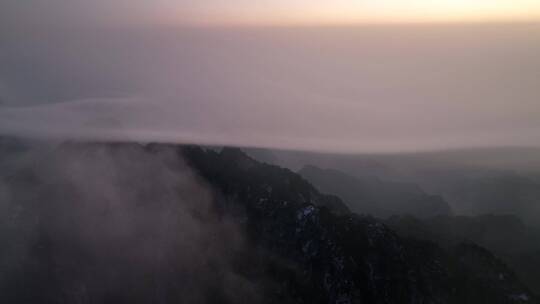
x,y
93,222
353,89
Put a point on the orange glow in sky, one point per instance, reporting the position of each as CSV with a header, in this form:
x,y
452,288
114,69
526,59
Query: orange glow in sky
x,y
359,11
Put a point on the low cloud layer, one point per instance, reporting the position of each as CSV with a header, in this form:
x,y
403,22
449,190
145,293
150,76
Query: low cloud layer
x,y
372,88
88,223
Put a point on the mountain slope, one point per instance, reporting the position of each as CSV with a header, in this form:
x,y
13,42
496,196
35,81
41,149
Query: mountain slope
x,y
374,196
506,236
352,258
499,181
129,223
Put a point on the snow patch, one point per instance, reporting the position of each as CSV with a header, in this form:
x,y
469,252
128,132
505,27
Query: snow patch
x,y
305,212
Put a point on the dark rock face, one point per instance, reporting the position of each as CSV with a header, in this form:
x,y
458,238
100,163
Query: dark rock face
x,y
298,245
509,238
349,258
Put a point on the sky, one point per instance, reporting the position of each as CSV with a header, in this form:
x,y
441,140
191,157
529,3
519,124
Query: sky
x,y
394,76
275,12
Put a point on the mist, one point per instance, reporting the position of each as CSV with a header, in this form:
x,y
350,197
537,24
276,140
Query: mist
x,y
87,222
378,88
180,151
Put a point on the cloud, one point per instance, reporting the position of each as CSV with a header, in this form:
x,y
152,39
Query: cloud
x,y
387,88
102,222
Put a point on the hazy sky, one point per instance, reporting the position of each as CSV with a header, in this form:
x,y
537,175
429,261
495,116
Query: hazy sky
x,y
98,69
174,12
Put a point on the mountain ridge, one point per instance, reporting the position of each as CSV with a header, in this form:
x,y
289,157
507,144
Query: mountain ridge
x,y
297,247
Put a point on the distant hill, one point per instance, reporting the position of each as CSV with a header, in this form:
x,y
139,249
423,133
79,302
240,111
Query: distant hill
x,y
500,181
520,159
374,196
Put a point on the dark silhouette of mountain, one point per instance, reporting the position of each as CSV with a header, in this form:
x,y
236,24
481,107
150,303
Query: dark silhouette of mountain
x,y
479,181
126,223
498,193
508,237
429,273
374,196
